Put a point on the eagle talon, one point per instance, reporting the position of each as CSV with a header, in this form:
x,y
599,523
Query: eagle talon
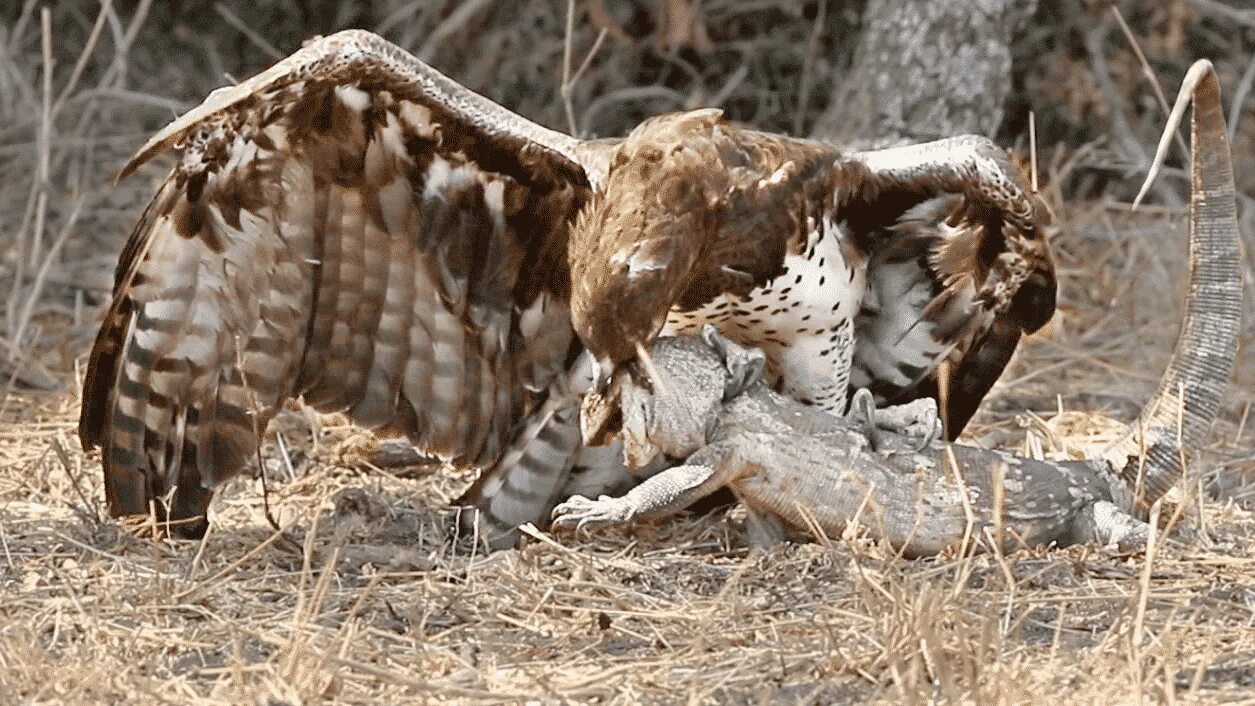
x,y
917,420
863,412
932,434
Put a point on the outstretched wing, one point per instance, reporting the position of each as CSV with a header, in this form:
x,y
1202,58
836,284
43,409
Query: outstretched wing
x,y
350,226
958,270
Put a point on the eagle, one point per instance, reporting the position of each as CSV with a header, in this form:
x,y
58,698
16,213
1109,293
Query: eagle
x,y
353,228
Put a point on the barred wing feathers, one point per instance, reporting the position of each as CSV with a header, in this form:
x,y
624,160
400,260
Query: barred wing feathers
x,y
954,281
350,226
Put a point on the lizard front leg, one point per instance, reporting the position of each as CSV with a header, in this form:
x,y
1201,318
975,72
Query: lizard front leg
x,y
665,494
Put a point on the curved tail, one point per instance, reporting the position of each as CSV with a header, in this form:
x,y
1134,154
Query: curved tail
x,y
1151,456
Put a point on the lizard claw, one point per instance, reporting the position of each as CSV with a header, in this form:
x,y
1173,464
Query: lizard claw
x,y
581,513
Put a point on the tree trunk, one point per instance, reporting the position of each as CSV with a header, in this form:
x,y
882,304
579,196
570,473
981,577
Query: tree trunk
x,y
925,69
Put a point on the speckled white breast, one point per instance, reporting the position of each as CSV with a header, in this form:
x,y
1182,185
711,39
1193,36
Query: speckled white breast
x,y
802,320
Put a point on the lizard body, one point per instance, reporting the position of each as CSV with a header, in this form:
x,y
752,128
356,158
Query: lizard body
x,y
800,464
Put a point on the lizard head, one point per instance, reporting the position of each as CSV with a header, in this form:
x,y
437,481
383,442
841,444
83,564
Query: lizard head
x,y
699,375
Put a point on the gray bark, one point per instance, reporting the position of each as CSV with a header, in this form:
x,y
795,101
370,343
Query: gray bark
x,y
926,69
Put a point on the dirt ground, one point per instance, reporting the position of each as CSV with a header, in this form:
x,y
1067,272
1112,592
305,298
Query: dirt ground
x,y
367,595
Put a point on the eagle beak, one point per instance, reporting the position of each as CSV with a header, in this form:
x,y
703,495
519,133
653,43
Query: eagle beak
x,y
600,415
603,372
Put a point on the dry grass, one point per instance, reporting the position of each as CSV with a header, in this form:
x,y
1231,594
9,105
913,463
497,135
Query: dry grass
x,y
367,596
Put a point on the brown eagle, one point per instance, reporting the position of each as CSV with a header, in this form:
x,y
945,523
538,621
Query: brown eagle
x,y
352,227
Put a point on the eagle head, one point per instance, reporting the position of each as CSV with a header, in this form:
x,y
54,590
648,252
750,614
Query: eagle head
x,y
620,295
626,274
634,247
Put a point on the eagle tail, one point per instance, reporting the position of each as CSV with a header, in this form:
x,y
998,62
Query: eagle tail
x,y
524,484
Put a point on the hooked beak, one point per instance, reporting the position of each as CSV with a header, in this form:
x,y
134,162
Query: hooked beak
x,y
599,410
603,372
601,414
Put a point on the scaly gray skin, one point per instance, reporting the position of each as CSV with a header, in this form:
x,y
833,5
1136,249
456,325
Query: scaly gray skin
x,y
793,463
787,461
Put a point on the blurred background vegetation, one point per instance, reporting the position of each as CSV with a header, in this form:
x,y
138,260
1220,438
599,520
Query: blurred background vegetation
x,y
122,69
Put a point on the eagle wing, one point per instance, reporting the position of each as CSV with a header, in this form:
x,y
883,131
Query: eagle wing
x,y
704,211
350,226
959,269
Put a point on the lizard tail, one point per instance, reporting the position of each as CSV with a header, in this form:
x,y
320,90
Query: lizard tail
x,y
1151,456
